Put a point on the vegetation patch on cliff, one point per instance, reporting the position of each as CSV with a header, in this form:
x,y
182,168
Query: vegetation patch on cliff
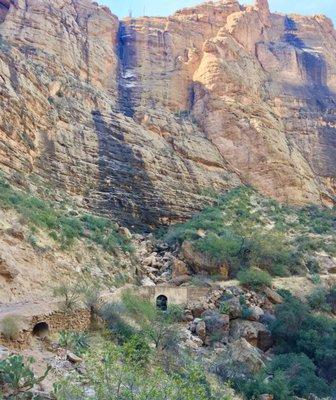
x,y
63,224
245,230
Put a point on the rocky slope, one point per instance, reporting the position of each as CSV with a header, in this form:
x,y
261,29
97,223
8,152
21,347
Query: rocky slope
x,y
136,118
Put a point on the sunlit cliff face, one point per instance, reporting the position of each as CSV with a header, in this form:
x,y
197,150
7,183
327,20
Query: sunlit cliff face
x,y
136,118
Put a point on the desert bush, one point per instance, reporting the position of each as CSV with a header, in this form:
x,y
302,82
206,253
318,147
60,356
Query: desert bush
x,y
297,330
17,378
245,230
119,379
69,295
77,342
224,308
156,324
331,298
224,248
318,300
284,377
137,350
10,327
113,314
254,278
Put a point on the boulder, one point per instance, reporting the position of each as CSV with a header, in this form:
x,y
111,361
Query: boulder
x,y
16,231
327,264
234,307
179,268
4,352
7,269
150,260
146,281
273,296
125,232
73,358
255,313
179,280
187,315
200,262
192,341
198,308
217,326
200,330
242,352
254,332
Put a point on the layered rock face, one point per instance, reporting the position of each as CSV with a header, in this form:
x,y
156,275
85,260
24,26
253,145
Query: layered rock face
x,y
137,118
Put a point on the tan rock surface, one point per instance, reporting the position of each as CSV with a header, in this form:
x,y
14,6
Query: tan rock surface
x,y
135,118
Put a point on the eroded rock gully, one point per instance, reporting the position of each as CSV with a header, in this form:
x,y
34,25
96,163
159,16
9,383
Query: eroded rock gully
x,y
135,118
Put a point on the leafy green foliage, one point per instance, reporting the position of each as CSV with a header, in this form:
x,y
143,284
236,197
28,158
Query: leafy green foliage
x,y
62,226
137,350
331,298
77,342
298,330
292,375
117,378
255,278
224,308
156,325
244,230
318,300
17,378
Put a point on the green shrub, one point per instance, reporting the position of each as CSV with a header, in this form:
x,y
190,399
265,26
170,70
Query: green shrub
x,y
318,300
120,378
137,351
10,327
225,247
69,295
300,373
297,330
245,230
224,308
316,279
77,342
159,327
271,253
254,278
286,376
331,298
112,313
17,379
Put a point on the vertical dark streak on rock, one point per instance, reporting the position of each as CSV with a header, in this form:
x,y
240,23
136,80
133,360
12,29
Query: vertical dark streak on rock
x,y
127,190
320,100
4,8
128,91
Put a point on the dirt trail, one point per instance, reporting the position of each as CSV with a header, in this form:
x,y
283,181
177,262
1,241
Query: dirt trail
x,y
27,309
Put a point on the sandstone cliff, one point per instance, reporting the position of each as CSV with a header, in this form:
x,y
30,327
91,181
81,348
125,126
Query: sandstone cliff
x,y
135,118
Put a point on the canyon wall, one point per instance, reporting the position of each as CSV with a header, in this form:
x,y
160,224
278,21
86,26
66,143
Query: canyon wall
x,y
139,118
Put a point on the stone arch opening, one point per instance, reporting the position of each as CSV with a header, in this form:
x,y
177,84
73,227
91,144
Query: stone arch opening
x,y
162,302
41,330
